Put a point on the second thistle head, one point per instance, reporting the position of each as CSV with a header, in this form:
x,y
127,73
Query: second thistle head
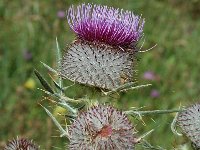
x,y
103,54
189,121
102,127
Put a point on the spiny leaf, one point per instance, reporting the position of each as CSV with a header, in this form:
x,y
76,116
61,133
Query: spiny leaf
x,y
58,60
43,82
81,107
70,116
63,132
49,68
57,86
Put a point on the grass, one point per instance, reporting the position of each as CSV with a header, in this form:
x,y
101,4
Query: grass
x,y
33,25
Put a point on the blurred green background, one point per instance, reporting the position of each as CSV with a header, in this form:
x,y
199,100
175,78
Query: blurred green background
x,y
28,29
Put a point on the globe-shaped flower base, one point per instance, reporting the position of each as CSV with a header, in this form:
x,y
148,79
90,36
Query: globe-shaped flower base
x,y
21,144
189,121
98,65
102,128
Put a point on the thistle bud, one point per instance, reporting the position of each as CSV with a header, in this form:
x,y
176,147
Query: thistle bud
x,y
189,121
102,128
21,144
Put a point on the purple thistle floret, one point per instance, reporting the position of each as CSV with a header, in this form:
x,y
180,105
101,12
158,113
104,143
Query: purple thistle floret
x,y
108,25
102,128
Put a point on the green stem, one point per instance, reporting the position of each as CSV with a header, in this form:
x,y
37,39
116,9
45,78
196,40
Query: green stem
x,y
125,87
58,60
152,112
63,132
63,101
147,145
68,107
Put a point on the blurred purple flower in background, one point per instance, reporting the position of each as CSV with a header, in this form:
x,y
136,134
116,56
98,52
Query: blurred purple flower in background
x,y
27,55
150,75
155,93
61,14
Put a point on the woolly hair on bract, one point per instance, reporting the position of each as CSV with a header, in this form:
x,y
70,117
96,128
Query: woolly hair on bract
x,y
98,65
102,127
104,52
189,121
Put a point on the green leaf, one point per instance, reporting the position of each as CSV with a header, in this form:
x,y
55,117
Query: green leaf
x,y
49,68
43,82
63,132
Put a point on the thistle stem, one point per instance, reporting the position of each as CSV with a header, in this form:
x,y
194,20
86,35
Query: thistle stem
x,y
58,58
63,101
147,145
125,87
152,112
62,131
68,107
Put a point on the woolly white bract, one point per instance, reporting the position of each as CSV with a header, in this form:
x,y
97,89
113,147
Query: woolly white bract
x,y
21,144
97,65
102,128
189,121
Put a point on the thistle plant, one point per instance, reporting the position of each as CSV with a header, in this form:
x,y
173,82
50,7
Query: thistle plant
x,y
103,55
21,144
102,127
189,121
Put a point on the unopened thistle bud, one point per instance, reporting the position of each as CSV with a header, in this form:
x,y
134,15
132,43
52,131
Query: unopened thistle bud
x,y
102,128
189,121
21,144
104,51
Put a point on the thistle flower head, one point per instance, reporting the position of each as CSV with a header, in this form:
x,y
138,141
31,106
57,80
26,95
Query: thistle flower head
x,y
105,24
21,144
102,128
104,53
189,121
